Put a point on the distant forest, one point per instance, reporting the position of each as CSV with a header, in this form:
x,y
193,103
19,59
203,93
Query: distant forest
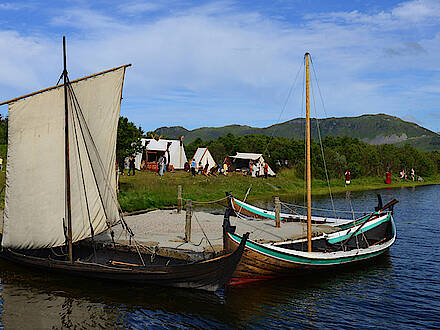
x,y
340,153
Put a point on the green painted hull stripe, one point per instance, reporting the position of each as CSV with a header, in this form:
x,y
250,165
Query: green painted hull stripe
x,y
302,260
254,211
362,230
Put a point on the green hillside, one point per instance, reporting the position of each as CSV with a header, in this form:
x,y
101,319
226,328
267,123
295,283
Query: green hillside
x,y
373,129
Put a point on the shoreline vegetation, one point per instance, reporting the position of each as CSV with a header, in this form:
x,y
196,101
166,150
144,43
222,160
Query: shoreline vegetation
x,y
148,191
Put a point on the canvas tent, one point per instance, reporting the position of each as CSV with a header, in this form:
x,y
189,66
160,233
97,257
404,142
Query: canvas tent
x,y
173,150
203,155
241,160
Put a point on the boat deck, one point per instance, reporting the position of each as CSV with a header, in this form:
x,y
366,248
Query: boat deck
x,y
165,231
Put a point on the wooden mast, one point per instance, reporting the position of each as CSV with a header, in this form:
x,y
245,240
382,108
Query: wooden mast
x,y
309,170
67,156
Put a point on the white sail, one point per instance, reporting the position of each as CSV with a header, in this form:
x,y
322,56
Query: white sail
x,y
35,203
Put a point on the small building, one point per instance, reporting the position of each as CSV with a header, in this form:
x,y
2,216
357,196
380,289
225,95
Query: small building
x,y
242,160
172,150
203,155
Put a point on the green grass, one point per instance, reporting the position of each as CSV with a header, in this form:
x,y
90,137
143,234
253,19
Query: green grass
x,y
146,190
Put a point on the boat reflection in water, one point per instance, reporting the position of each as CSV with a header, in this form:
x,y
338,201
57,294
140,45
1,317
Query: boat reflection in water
x,y
41,300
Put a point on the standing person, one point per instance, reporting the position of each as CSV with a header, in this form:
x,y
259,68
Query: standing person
x,y
1,164
160,164
413,174
347,177
200,168
388,177
131,165
164,164
205,169
266,170
225,169
193,167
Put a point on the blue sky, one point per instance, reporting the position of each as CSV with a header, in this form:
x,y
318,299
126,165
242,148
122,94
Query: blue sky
x,y
212,63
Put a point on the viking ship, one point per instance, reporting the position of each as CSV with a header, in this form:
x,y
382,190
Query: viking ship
x,y
61,190
348,244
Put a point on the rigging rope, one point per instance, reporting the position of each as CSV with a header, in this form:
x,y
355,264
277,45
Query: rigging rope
x,y
319,134
320,209
283,108
92,232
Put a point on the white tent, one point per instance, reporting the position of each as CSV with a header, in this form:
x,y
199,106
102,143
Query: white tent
x,y
257,159
203,155
173,150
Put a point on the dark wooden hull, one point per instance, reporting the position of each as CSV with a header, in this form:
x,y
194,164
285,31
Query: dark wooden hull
x,y
209,275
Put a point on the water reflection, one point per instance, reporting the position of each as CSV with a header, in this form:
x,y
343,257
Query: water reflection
x,y
400,288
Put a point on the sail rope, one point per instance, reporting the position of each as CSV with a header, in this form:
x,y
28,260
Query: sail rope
x,y
283,108
319,136
83,125
92,232
204,234
351,211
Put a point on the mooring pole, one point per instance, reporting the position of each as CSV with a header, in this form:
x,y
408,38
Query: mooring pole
x,y
277,211
67,156
179,198
188,220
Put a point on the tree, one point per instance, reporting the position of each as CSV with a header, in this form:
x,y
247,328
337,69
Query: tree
x,y
128,141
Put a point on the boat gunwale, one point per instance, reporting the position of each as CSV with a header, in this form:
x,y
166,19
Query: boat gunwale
x,y
314,256
284,216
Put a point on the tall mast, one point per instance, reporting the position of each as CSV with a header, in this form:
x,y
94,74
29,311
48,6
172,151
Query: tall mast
x,y
309,170
67,158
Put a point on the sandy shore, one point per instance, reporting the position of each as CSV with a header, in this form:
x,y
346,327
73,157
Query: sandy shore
x,y
165,230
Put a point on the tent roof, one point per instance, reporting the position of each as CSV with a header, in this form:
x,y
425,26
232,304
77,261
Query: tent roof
x,y
199,153
247,155
155,145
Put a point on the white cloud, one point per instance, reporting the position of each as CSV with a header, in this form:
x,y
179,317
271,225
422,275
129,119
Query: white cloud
x,y
228,64
136,8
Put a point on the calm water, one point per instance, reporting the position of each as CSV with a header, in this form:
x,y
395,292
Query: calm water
x,y
400,290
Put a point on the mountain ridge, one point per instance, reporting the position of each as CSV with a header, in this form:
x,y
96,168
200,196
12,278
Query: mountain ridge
x,y
370,128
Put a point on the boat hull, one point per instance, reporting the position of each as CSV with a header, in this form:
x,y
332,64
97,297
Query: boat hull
x,y
209,275
266,261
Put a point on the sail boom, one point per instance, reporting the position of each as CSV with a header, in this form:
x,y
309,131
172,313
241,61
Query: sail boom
x,y
62,85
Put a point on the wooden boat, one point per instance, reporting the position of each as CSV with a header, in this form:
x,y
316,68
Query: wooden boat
x,y
266,261
243,209
355,243
61,190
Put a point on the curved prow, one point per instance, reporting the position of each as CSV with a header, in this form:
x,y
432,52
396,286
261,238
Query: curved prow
x,y
379,203
242,245
227,228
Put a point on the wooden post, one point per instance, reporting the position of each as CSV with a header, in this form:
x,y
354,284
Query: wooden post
x,y
179,198
277,211
188,220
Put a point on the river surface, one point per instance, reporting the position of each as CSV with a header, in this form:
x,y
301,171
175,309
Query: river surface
x,y
399,290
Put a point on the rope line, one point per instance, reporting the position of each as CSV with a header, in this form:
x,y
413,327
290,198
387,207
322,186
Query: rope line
x,y
328,210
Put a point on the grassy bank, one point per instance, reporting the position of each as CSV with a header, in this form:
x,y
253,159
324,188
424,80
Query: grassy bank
x,y
147,190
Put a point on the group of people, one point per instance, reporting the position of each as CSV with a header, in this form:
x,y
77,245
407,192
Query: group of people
x,y
404,175
161,166
257,169
195,168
